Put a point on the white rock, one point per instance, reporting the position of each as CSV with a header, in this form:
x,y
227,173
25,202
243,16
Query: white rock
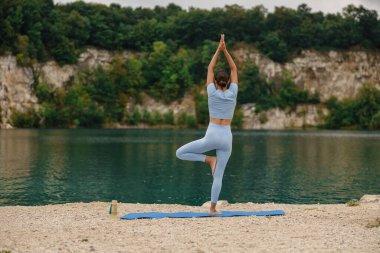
x,y
370,198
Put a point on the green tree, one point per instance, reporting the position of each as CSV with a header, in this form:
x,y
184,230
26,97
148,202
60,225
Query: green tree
x,y
368,24
340,32
27,119
375,121
274,47
283,24
78,28
168,118
362,111
193,27
22,55
253,87
254,23
342,114
367,104
201,109
144,33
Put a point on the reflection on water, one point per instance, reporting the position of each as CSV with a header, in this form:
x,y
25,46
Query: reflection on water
x,y
139,165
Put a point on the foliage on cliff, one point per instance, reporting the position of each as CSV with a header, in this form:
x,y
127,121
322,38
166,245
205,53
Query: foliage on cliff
x,y
361,112
282,93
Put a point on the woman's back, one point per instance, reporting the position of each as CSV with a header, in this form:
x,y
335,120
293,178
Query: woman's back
x,y
221,104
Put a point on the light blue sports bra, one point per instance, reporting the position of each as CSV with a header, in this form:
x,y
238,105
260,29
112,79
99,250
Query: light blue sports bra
x,y
221,104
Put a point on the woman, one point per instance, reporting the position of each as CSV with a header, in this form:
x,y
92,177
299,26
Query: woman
x,y
221,102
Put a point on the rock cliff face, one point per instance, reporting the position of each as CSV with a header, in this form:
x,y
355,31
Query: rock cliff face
x,y
16,92
338,74
304,116
15,88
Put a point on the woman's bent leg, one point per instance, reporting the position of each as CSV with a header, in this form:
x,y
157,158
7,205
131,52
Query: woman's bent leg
x,y
193,151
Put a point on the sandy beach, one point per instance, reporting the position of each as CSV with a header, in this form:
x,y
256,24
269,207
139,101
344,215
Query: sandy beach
x,y
86,227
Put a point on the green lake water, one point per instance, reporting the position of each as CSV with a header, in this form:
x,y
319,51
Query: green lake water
x,y
40,167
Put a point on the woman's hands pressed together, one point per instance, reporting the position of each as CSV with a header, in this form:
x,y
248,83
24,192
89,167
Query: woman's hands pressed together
x,y
222,44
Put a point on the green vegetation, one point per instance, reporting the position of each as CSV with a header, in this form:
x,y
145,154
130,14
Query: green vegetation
x,y
201,109
374,224
361,112
40,30
280,93
353,202
28,119
237,120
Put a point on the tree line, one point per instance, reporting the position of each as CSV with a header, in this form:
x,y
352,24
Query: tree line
x,y
39,29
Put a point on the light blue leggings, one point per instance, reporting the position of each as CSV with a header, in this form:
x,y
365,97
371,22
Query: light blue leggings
x,y
219,138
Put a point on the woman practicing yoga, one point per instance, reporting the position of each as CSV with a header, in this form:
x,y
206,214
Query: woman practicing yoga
x,y
221,103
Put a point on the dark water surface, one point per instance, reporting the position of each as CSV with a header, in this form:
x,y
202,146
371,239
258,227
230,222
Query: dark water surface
x,y
138,165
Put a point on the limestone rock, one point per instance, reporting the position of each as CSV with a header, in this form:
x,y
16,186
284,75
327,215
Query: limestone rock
x,y
55,75
370,198
338,74
302,116
93,57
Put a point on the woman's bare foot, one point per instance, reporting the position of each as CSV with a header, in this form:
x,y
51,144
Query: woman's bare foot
x,y
211,160
213,211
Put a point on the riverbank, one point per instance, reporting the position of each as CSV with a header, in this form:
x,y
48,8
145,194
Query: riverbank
x,y
84,227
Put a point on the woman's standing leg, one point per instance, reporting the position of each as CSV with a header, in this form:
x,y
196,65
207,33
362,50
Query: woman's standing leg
x,y
222,157
223,154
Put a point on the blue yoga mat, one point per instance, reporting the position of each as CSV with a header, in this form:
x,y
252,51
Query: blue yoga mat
x,y
158,215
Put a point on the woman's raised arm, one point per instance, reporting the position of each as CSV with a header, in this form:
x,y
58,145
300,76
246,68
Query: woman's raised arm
x,y
234,74
210,69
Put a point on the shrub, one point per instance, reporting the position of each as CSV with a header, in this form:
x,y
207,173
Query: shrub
x,y
42,92
263,117
53,116
375,121
157,117
191,121
146,117
374,224
168,118
135,118
353,202
342,114
28,119
368,104
91,116
201,109
254,88
238,118
274,47
184,119
181,119
363,110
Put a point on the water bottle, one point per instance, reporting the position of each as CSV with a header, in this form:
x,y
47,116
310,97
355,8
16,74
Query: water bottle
x,y
113,209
